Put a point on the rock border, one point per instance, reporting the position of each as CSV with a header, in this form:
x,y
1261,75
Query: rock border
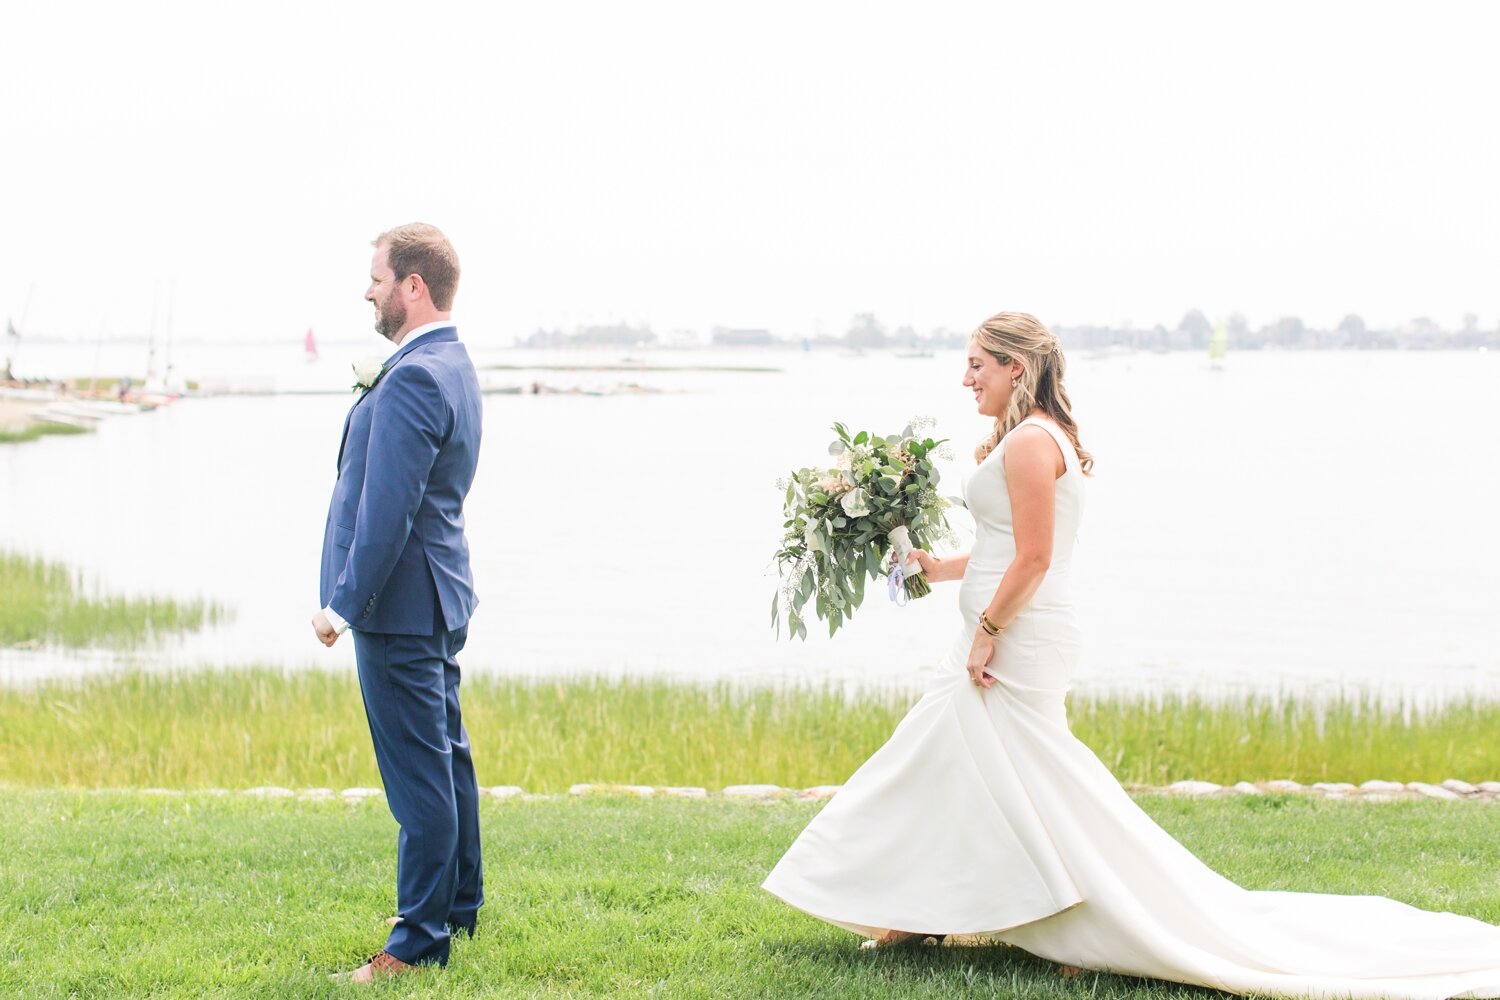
x,y
1375,790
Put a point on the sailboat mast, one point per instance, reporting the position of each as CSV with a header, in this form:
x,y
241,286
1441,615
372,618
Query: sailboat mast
x,y
151,336
171,304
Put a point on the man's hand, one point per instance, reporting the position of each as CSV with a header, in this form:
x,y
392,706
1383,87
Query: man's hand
x,y
327,634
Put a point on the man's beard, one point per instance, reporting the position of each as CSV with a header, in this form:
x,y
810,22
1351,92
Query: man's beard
x,y
390,316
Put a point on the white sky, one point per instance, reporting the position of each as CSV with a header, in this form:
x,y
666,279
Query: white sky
x,y
767,164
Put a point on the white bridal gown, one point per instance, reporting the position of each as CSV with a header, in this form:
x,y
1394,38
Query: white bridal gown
x,y
983,815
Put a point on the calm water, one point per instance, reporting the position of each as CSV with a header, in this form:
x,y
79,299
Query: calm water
x,y
1294,521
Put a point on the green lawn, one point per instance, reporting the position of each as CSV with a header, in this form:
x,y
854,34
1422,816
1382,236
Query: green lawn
x,y
127,894
241,728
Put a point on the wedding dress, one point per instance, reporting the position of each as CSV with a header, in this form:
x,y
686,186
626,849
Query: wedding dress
x,y
984,815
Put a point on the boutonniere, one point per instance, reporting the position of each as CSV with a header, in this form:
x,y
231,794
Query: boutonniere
x,y
367,373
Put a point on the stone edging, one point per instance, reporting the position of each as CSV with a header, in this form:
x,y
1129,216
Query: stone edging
x,y
1452,790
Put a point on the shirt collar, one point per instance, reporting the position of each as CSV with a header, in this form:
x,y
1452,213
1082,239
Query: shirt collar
x,y
426,328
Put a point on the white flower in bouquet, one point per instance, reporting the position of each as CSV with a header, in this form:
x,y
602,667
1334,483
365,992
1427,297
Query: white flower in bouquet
x,y
856,502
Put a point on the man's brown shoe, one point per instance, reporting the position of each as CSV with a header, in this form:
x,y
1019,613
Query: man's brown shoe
x,y
382,965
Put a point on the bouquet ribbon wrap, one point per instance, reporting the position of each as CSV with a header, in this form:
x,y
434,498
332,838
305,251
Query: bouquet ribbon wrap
x,y
904,566
896,585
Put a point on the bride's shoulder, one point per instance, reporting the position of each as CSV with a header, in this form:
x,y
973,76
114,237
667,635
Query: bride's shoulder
x,y
1031,443
1030,433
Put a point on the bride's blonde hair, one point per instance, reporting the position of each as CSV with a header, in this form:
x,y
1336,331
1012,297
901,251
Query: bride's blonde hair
x,y
1018,336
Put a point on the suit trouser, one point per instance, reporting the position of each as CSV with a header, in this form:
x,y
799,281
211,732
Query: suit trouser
x,y
410,689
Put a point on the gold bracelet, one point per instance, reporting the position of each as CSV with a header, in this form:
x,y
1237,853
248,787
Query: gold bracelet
x,y
989,627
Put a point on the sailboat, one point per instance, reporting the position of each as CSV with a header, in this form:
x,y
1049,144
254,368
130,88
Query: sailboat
x,y
12,338
309,346
1218,346
155,391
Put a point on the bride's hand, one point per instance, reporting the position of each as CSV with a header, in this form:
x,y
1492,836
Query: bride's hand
x,y
932,566
981,652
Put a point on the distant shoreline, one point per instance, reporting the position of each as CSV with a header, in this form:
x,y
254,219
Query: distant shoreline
x,y
627,367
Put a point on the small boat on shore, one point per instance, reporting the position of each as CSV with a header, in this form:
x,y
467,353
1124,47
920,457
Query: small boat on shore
x,y
83,412
26,394
59,415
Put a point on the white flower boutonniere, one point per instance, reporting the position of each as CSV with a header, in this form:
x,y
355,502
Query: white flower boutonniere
x,y
366,373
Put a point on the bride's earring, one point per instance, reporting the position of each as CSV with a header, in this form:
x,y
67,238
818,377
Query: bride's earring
x,y
1014,382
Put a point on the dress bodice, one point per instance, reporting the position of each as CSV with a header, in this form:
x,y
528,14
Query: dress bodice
x,y
988,499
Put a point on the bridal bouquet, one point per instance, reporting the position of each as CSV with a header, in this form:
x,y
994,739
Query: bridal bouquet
x,y
878,498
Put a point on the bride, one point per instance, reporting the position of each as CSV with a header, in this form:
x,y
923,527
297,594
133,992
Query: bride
x,y
984,816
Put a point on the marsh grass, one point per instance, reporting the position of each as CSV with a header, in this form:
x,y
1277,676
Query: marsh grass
x,y
131,895
42,601
1352,737
246,727
36,429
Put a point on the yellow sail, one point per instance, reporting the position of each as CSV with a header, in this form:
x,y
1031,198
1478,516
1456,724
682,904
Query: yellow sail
x,y
1218,345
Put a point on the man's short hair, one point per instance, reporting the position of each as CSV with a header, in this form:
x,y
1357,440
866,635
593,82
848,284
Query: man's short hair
x,y
418,248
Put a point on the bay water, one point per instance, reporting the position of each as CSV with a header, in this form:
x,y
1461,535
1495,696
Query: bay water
x,y
1306,522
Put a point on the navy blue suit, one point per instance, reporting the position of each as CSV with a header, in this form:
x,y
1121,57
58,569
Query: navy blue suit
x,y
396,567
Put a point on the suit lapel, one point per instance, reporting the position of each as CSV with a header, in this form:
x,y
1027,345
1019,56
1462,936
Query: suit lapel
x,y
344,438
443,334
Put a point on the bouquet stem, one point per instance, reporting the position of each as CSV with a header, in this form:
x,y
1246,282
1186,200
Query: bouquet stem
x,y
911,570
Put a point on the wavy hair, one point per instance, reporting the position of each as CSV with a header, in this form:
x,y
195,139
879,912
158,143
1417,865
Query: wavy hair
x,y
1018,336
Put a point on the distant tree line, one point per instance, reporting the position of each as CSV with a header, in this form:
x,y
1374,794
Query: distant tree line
x,y
1196,330
1193,332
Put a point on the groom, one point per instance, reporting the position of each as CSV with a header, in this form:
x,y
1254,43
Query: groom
x,y
396,573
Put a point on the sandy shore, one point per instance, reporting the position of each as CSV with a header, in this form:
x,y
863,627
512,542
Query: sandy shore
x,y
16,413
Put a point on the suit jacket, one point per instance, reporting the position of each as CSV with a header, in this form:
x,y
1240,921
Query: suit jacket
x,y
395,559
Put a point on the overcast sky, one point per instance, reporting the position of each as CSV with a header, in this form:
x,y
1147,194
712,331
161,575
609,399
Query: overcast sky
x,y
755,164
